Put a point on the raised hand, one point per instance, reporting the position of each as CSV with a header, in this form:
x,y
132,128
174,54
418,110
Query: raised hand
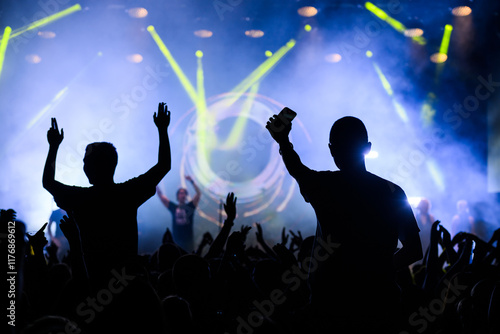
x,y
207,238
245,229
38,240
279,129
259,234
70,229
162,118
189,178
284,236
53,136
297,240
230,207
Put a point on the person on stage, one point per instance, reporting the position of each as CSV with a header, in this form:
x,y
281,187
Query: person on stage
x,y
182,215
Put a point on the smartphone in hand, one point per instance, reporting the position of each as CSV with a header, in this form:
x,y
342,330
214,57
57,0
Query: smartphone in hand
x,y
287,114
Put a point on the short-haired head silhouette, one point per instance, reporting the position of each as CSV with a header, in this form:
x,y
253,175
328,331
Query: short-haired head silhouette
x,y
349,143
100,162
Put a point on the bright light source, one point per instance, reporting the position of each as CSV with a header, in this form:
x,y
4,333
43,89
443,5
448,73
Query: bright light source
x,y
199,53
333,58
439,57
461,11
291,43
203,33
369,54
150,28
372,155
307,27
254,33
413,32
307,11
34,59
138,12
414,201
134,58
268,53
47,34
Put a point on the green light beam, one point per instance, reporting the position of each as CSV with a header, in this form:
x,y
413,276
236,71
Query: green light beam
x,y
387,87
46,20
177,69
398,26
3,46
236,133
205,138
445,42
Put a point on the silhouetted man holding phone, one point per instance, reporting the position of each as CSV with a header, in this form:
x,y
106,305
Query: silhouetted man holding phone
x,y
106,212
354,289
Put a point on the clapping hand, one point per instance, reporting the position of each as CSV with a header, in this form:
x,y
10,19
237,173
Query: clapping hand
x,y
53,136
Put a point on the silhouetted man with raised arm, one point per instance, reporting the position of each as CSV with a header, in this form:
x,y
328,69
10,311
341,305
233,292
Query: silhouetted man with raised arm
x,y
360,219
106,212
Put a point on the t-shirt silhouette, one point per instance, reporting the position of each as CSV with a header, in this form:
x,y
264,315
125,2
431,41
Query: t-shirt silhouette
x,y
107,218
182,224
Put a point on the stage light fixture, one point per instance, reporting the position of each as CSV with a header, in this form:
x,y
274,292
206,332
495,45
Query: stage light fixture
x,y
268,53
138,12
46,20
372,155
254,33
307,11
307,27
33,59
461,11
369,54
199,53
47,34
333,58
3,45
398,26
203,33
413,32
439,57
135,58
445,42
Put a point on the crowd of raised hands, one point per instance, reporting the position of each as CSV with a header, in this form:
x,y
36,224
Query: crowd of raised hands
x,y
227,286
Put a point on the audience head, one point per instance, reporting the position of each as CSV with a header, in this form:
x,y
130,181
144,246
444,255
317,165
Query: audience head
x,y
182,194
100,162
424,205
349,143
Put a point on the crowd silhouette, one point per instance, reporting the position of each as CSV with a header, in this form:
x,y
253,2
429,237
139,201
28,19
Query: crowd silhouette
x,y
350,277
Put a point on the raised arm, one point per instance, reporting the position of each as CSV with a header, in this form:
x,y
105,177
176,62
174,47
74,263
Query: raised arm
x,y
279,130
218,245
163,166
49,172
164,199
196,198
